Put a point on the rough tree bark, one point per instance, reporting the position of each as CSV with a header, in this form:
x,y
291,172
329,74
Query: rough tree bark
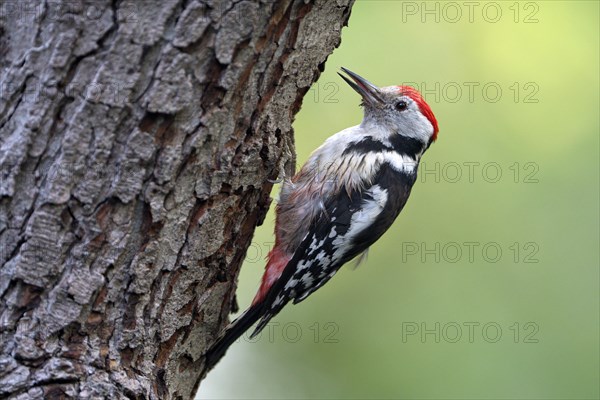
x,y
137,145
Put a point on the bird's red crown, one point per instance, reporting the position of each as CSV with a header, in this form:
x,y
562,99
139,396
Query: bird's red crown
x,y
423,106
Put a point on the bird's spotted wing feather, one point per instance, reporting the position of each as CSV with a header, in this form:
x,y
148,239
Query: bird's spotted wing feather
x,y
336,236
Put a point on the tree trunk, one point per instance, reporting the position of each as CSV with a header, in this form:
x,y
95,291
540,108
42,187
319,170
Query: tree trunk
x,y
138,143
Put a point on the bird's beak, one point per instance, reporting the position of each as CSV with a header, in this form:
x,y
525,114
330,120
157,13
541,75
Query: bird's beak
x,y
368,91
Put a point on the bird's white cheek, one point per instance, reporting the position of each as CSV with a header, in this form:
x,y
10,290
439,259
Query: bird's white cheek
x,y
414,125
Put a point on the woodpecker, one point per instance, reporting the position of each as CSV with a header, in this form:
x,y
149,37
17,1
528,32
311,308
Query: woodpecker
x,y
342,200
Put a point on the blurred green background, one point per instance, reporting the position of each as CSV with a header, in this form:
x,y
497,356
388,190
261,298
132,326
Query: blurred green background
x,y
487,285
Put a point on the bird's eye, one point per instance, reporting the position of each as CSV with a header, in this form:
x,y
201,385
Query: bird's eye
x,y
401,105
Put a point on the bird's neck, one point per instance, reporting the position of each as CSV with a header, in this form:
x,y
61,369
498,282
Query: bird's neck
x,y
394,140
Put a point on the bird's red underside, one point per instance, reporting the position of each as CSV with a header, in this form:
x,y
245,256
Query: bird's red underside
x,y
278,259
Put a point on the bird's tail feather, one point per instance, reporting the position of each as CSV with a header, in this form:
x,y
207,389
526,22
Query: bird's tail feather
x,y
232,333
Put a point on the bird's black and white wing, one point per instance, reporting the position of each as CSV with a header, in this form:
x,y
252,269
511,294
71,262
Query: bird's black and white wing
x,y
346,226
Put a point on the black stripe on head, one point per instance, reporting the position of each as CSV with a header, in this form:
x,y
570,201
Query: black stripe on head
x,y
367,145
400,144
407,145
431,140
